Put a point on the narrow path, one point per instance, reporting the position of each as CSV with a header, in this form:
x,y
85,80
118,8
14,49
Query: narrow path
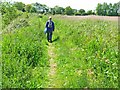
x,y
53,65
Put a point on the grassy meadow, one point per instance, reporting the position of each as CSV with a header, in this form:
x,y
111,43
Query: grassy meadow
x,y
85,53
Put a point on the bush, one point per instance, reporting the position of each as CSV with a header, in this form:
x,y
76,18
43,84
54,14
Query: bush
x,y
9,13
24,57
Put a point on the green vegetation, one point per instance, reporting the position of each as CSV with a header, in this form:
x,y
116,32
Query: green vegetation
x,y
19,5
24,56
105,9
8,13
84,53
87,53
68,10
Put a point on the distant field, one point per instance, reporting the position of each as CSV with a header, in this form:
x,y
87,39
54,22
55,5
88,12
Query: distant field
x,y
110,18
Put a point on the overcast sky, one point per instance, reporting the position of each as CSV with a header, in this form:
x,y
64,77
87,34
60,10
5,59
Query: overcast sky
x,y
75,4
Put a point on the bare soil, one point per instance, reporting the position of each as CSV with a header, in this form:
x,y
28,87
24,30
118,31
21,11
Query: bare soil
x,y
53,66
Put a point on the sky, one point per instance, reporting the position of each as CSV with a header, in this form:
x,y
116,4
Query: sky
x,y
75,4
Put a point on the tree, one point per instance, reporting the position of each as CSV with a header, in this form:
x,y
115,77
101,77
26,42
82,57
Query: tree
x,y
28,8
75,11
115,9
90,12
45,8
33,10
52,11
99,9
105,9
110,11
59,10
40,8
69,10
118,11
9,12
19,5
82,12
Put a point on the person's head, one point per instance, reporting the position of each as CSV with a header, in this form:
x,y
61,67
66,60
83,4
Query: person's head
x,y
50,18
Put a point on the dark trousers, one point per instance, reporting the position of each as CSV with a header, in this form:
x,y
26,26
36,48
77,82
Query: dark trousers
x,y
49,36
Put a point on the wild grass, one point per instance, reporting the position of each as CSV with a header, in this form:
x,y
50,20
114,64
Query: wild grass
x,y
24,56
87,53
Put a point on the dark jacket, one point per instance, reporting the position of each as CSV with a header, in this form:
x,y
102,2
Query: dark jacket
x,y
50,29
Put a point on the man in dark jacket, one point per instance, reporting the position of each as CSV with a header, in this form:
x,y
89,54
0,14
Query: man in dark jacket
x,y
50,28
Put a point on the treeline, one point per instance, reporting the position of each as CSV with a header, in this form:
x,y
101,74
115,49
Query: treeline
x,y
101,9
108,9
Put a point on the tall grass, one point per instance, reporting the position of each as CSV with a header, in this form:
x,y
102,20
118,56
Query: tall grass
x,y
24,56
0,52
87,53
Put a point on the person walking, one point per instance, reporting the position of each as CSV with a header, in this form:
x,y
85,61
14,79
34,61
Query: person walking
x,y
50,28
